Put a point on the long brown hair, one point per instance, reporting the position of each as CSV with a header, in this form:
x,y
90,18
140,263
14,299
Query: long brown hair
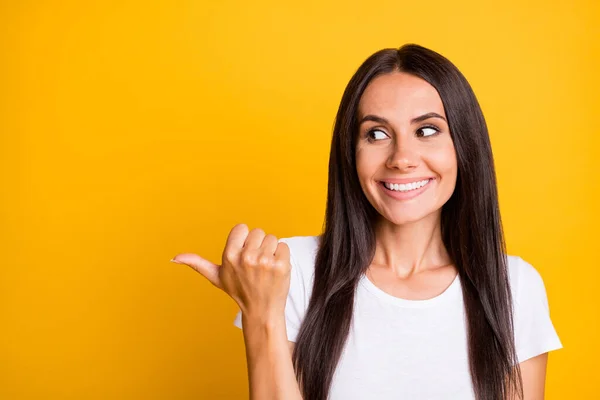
x,y
471,232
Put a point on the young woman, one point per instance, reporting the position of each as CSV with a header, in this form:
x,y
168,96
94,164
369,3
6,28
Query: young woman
x,y
408,293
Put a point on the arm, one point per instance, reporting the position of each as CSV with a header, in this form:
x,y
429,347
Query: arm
x,y
271,373
533,373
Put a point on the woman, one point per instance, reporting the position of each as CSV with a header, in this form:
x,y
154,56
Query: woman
x,y
408,293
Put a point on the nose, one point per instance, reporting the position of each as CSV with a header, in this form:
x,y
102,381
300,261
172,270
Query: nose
x,y
403,157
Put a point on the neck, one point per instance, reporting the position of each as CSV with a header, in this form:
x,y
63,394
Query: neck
x,y
410,248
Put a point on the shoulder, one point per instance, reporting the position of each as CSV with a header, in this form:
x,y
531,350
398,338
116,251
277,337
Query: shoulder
x,y
522,272
525,280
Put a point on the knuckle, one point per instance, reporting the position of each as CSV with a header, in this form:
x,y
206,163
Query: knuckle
x,y
281,266
249,259
229,255
280,272
265,261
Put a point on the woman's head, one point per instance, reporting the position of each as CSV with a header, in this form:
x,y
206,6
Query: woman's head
x,y
399,85
376,139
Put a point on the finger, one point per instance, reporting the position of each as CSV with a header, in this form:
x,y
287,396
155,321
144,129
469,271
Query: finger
x,y
254,239
269,245
282,252
236,239
206,268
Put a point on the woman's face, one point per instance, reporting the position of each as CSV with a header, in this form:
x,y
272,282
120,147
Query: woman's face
x,y
405,157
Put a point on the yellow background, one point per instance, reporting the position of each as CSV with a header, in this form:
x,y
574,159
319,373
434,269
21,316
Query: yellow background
x,y
131,131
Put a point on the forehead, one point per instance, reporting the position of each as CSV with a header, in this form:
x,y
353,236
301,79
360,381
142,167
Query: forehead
x,y
399,94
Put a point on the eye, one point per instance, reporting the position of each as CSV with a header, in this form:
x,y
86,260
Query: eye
x,y
372,135
427,131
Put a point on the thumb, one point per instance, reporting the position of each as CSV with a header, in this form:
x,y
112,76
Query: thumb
x,y
206,268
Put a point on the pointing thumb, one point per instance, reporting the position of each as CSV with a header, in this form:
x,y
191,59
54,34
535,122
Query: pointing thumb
x,y
206,268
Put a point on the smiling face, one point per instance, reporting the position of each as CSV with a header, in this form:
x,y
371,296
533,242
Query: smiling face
x,y
405,157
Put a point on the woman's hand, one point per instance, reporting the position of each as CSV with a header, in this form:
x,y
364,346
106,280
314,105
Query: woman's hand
x,y
254,272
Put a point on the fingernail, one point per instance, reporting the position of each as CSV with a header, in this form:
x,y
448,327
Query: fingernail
x,y
175,261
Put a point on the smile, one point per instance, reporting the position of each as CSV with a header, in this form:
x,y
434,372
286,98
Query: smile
x,y
406,187
405,191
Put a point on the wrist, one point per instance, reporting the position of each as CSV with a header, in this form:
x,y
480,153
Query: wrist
x,y
264,323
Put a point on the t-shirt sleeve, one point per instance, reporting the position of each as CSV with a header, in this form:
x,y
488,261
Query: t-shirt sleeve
x,y
296,302
534,331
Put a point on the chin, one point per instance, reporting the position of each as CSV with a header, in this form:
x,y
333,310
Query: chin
x,y
408,216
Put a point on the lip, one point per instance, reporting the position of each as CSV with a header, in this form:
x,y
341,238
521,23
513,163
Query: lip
x,y
405,195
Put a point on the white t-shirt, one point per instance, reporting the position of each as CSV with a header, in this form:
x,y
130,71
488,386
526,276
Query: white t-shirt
x,y
414,349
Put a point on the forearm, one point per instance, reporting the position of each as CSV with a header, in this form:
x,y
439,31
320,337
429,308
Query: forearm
x,y
270,369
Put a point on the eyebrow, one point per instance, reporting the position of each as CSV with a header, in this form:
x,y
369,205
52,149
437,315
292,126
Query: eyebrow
x,y
420,118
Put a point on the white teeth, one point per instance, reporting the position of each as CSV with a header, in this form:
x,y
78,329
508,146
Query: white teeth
x,y
406,187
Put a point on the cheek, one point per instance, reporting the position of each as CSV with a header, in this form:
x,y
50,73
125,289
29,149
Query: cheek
x,y
447,169
365,164
366,167
443,160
